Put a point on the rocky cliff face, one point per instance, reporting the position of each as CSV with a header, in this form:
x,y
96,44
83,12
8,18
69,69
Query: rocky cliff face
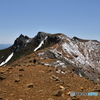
x,y
62,52
83,55
20,43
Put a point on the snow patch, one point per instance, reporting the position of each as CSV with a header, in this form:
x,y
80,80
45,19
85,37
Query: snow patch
x,y
46,64
27,41
72,48
9,57
42,42
80,74
41,53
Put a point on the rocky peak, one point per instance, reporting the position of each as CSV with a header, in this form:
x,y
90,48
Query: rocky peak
x,y
79,39
20,43
41,36
75,38
49,39
83,55
22,37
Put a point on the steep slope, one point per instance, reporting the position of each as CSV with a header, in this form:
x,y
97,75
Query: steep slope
x,y
65,52
49,67
4,54
29,81
83,54
24,45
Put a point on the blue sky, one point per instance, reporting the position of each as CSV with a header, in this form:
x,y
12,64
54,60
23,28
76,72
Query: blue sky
x,y
79,18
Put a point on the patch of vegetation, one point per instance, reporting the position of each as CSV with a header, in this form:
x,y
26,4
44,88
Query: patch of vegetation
x,y
4,54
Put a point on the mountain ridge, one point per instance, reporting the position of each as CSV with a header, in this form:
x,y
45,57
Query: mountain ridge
x,y
76,52
49,67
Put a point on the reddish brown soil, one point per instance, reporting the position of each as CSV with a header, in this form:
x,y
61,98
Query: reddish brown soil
x,y
28,81
44,85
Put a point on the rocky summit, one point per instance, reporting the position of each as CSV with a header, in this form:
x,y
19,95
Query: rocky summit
x,y
48,67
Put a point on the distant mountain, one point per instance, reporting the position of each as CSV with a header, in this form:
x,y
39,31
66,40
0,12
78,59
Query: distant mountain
x,y
56,50
3,46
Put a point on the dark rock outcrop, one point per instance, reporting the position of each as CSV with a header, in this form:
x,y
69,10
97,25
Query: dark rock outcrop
x,y
20,43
